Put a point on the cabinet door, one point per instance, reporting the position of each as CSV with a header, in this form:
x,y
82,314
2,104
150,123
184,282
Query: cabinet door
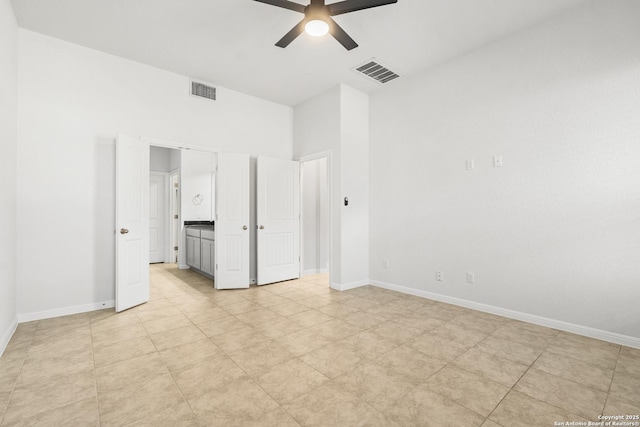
x,y
193,252
189,250
206,254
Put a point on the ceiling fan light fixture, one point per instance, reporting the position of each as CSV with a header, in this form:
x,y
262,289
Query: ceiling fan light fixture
x,y
318,19
316,28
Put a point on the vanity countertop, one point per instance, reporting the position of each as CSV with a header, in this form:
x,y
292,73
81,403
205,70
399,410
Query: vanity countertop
x,y
199,225
201,229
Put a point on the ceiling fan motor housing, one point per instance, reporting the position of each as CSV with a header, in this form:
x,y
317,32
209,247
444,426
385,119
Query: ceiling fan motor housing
x,y
318,10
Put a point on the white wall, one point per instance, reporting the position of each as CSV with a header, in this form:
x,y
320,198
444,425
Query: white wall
x,y
317,129
159,159
196,170
73,102
175,157
337,120
354,109
8,149
553,233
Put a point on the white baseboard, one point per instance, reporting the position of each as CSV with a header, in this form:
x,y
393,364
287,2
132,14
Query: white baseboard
x,y
65,311
586,331
6,337
352,285
183,267
314,271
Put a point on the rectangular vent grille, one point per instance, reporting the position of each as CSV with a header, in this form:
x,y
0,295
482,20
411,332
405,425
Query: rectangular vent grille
x,y
203,91
377,72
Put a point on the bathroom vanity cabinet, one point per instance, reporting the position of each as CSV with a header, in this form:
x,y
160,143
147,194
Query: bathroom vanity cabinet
x,y
200,249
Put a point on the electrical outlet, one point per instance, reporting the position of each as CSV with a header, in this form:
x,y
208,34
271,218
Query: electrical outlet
x,y
497,161
470,165
385,263
470,277
439,276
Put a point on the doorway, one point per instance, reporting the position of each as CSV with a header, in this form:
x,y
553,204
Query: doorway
x,y
316,220
231,207
171,217
164,204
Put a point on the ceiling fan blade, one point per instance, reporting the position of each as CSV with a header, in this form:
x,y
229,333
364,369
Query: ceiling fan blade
x,y
341,35
291,35
284,4
353,5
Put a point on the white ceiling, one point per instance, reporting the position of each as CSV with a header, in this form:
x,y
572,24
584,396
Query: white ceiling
x,y
231,42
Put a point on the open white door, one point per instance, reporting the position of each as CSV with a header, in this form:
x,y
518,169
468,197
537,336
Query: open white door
x,y
278,219
132,222
232,222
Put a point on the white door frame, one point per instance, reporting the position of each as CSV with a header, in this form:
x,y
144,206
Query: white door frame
x,y
321,155
173,232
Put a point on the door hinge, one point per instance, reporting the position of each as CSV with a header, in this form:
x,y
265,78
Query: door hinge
x,y
175,216
175,248
175,185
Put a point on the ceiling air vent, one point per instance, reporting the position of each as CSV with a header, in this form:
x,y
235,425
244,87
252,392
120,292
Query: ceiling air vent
x,y
202,90
376,71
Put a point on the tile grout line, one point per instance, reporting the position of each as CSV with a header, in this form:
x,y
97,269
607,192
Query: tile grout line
x,y
95,380
613,375
201,295
13,388
226,354
167,368
519,379
451,363
556,376
179,389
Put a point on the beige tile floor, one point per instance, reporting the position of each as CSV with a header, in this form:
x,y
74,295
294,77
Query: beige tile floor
x,y
298,353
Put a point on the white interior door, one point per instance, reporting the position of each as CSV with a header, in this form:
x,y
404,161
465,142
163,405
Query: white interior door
x,y
157,217
232,222
132,222
278,219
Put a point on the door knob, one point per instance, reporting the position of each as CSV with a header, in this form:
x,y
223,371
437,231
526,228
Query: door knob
x,y
262,227
123,231
244,227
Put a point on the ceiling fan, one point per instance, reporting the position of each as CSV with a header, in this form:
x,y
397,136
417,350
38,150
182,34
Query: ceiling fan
x,y
317,18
